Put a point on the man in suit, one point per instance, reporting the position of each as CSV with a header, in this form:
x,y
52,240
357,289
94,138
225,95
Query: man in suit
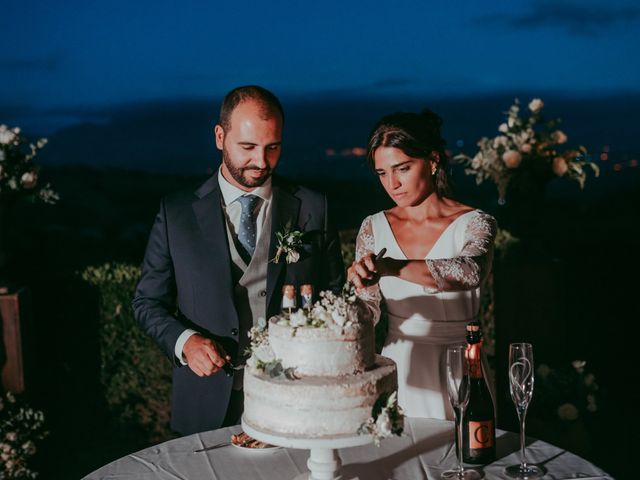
x,y
208,271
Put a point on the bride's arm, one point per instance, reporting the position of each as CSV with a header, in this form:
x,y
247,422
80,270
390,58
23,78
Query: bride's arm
x,y
463,272
368,297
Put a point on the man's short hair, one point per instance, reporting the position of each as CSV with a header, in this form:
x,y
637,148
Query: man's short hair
x,y
256,93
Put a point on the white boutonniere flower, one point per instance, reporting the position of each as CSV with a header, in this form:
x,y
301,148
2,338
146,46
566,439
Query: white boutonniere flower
x,y
289,243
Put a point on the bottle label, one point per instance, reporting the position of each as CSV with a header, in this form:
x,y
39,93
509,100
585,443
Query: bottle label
x,y
480,434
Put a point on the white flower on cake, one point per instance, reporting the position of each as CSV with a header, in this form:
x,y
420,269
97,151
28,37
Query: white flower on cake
x,y
298,319
387,418
264,354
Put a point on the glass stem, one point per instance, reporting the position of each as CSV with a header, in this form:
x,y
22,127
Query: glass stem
x,y
522,413
459,445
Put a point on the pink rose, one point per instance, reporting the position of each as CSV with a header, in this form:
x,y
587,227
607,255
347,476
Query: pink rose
x,y
559,166
511,158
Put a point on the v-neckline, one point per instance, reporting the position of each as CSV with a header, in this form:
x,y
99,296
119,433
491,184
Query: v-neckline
x,y
395,240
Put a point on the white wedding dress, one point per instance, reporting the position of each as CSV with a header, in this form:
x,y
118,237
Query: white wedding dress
x,y
422,320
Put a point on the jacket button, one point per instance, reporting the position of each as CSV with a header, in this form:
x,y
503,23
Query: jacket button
x,y
263,293
234,331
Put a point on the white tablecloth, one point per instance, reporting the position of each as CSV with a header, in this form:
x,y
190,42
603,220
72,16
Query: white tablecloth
x,y
423,452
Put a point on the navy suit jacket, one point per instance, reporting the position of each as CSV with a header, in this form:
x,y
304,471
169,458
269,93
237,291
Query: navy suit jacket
x,y
187,283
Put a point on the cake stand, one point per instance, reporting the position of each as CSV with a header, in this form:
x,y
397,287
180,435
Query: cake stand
x,y
324,462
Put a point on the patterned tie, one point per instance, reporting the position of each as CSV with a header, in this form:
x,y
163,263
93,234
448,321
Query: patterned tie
x,y
247,228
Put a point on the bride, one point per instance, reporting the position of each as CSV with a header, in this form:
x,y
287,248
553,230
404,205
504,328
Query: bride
x,y
438,253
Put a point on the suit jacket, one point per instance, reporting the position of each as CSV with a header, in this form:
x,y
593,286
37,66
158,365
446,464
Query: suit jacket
x,y
187,283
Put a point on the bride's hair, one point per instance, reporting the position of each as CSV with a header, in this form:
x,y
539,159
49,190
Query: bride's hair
x,y
418,136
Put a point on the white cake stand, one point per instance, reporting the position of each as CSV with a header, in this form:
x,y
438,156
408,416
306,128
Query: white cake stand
x,y
324,462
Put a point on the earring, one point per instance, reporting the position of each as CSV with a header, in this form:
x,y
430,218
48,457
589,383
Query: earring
x,y
433,170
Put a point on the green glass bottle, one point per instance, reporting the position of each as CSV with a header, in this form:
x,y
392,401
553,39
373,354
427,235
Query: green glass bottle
x,y
478,428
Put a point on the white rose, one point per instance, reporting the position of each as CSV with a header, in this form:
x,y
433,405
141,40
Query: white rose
x,y
293,256
29,179
567,411
504,128
337,318
511,158
559,137
11,436
298,318
383,424
264,354
500,140
559,166
7,137
579,365
536,105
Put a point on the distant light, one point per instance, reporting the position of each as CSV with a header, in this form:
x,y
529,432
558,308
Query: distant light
x,y
605,149
617,167
633,163
459,143
358,151
604,157
330,152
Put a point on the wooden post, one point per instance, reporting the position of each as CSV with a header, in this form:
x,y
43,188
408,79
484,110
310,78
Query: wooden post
x,y
14,313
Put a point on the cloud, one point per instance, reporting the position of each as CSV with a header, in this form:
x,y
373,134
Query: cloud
x,y
585,18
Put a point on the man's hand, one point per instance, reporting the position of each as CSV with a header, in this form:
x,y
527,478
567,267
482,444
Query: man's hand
x,y
204,356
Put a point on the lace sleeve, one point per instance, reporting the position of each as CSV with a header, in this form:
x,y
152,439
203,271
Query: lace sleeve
x,y
469,269
369,297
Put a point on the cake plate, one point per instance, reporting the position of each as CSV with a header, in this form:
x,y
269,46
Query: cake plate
x,y
324,461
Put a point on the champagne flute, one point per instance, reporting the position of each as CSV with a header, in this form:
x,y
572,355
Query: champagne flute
x,y
521,386
458,388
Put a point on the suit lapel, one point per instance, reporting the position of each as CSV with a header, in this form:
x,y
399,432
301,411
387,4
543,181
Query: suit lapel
x,y
285,209
210,218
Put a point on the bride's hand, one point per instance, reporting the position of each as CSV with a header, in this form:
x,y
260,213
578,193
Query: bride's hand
x,y
364,272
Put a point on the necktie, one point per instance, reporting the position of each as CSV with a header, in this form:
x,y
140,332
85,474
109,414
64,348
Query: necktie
x,y
247,229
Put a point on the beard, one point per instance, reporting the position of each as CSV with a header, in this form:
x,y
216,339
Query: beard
x,y
238,173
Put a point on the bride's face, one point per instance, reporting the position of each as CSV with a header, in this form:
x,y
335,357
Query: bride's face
x,y
406,179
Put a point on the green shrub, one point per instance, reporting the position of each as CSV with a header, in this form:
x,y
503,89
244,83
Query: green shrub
x,y
135,375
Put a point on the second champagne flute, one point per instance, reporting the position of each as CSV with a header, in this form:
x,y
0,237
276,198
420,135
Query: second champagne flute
x,y
521,386
458,389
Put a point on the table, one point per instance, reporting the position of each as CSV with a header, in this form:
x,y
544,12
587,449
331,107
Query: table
x,y
423,452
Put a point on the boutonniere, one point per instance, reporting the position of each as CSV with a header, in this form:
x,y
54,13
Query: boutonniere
x,y
289,241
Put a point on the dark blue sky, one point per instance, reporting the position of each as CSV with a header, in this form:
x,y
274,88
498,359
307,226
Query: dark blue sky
x,y
62,60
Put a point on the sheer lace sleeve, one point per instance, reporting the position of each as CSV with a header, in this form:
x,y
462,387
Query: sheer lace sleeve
x,y
369,297
468,270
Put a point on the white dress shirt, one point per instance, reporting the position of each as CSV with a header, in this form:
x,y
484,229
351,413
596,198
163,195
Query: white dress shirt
x,y
233,211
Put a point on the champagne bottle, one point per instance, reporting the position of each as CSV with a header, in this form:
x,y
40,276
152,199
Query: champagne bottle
x,y
478,427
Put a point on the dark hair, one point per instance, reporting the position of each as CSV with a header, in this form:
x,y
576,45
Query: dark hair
x,y
418,136
256,93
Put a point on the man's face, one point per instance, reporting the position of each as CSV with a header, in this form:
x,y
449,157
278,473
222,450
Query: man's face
x,y
251,147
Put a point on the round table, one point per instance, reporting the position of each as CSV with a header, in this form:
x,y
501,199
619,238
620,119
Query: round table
x,y
423,452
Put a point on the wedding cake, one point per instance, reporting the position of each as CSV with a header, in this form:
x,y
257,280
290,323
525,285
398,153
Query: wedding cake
x,y
314,374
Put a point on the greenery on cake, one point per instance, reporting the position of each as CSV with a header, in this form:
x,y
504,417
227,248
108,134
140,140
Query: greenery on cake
x,y
261,354
387,418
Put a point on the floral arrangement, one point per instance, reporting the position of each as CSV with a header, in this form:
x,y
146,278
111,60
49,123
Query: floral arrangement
x,y
331,311
289,242
387,418
527,143
566,393
18,174
20,428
